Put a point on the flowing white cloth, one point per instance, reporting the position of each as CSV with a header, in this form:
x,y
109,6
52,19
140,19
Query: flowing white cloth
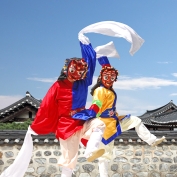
x,y
115,29
108,50
20,164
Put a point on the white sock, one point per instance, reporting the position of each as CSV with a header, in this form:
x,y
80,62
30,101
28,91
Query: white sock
x,y
66,172
103,168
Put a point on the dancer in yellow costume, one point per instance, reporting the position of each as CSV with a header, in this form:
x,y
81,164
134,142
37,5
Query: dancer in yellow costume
x,y
105,98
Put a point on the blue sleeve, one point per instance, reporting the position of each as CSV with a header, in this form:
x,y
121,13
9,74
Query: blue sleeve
x,y
89,55
85,115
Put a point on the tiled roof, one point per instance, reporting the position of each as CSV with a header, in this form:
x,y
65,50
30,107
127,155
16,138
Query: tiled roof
x,y
158,111
27,101
17,137
167,118
150,115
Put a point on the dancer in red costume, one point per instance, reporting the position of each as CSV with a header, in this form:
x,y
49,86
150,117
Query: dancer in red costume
x,y
66,97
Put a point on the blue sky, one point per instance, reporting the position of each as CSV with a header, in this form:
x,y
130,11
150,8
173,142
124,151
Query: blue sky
x,y
37,36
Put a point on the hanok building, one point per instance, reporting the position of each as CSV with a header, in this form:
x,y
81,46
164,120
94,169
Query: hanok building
x,y
21,110
163,118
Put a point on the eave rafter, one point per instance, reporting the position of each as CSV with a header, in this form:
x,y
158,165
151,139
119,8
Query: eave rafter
x,y
16,113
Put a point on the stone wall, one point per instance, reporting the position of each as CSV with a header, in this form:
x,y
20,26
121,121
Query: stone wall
x,y
130,160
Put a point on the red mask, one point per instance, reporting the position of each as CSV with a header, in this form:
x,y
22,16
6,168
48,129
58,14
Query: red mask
x,y
108,77
77,70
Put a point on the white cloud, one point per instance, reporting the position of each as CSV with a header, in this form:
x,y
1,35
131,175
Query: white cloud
x,y
134,106
123,77
143,83
48,80
129,105
164,62
173,94
174,74
8,100
127,83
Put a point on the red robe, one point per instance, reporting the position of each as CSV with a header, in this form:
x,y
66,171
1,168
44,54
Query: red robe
x,y
54,116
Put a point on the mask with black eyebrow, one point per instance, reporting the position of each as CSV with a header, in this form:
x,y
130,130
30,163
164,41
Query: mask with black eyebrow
x,y
108,76
76,70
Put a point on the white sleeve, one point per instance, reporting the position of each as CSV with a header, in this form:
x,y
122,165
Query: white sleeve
x,y
83,39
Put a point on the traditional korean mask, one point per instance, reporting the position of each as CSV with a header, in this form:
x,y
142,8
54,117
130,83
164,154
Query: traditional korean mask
x,y
108,77
77,70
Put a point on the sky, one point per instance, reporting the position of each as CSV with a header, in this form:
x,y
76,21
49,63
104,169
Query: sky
x,y
37,36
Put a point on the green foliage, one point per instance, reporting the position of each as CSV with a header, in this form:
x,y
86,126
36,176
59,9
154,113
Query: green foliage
x,y
15,125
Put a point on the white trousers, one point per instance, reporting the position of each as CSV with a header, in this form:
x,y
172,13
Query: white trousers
x,y
141,130
145,134
70,146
